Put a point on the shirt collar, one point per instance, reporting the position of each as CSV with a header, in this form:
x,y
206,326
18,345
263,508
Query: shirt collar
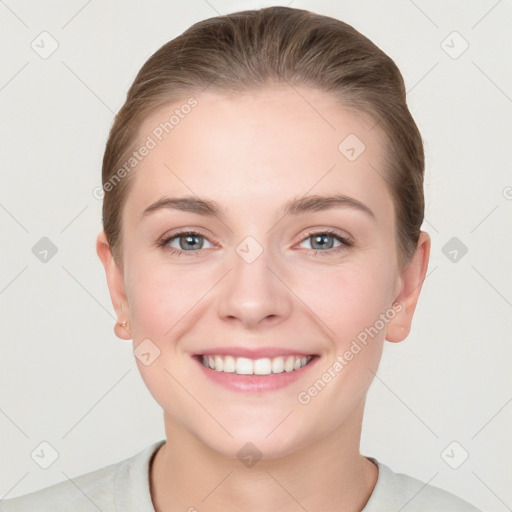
x,y
131,483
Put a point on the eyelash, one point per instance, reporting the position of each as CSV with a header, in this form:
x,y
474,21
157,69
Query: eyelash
x,y
345,241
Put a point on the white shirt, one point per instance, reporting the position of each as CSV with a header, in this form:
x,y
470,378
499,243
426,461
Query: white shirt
x,y
124,487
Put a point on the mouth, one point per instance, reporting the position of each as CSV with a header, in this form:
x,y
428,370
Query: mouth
x,y
260,366
266,370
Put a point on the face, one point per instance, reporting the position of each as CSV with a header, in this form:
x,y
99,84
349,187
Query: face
x,y
269,275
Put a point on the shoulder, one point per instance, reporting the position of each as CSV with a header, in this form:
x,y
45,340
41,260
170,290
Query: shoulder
x,y
394,491
82,493
97,490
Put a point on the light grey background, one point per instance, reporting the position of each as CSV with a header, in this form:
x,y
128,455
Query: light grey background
x,y
67,380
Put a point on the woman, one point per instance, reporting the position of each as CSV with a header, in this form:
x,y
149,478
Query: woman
x,y
263,202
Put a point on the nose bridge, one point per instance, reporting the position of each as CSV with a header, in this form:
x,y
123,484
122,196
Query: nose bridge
x,y
251,292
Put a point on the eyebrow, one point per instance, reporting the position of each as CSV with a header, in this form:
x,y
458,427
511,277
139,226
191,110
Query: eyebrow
x,y
313,203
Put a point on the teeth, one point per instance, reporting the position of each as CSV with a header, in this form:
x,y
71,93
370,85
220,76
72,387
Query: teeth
x,y
278,365
263,366
229,364
244,366
219,363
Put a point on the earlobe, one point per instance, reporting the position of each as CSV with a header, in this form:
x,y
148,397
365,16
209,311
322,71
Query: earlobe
x,y
412,277
115,282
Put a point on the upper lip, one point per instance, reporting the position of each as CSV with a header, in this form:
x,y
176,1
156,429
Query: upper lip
x,y
253,353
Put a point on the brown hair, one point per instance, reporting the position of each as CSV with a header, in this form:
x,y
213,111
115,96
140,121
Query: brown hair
x,y
252,49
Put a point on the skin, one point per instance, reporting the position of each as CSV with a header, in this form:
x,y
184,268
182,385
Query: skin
x,y
251,153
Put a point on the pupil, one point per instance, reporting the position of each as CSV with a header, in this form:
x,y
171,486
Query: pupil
x,y
320,237
190,239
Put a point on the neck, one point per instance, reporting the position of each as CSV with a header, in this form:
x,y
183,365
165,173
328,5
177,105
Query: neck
x,y
329,474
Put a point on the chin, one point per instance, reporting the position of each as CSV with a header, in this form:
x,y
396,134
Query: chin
x,y
257,441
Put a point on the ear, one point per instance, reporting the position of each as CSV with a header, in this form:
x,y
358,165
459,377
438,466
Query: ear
x,y
115,281
410,284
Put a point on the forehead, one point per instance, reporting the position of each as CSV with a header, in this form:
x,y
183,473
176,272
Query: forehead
x,y
259,149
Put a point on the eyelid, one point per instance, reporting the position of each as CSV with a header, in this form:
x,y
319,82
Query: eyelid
x,y
187,231
346,241
327,231
164,240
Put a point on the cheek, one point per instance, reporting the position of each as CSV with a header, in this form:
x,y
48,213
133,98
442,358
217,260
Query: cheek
x,y
353,298
352,304
160,296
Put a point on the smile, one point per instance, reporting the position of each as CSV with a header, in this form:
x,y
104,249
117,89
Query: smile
x,y
262,366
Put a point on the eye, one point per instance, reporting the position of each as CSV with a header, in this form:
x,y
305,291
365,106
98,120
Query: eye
x,y
323,242
188,242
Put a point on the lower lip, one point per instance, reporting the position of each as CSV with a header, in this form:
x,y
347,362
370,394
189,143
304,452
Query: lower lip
x,y
255,383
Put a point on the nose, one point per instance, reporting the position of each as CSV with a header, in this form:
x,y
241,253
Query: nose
x,y
253,293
